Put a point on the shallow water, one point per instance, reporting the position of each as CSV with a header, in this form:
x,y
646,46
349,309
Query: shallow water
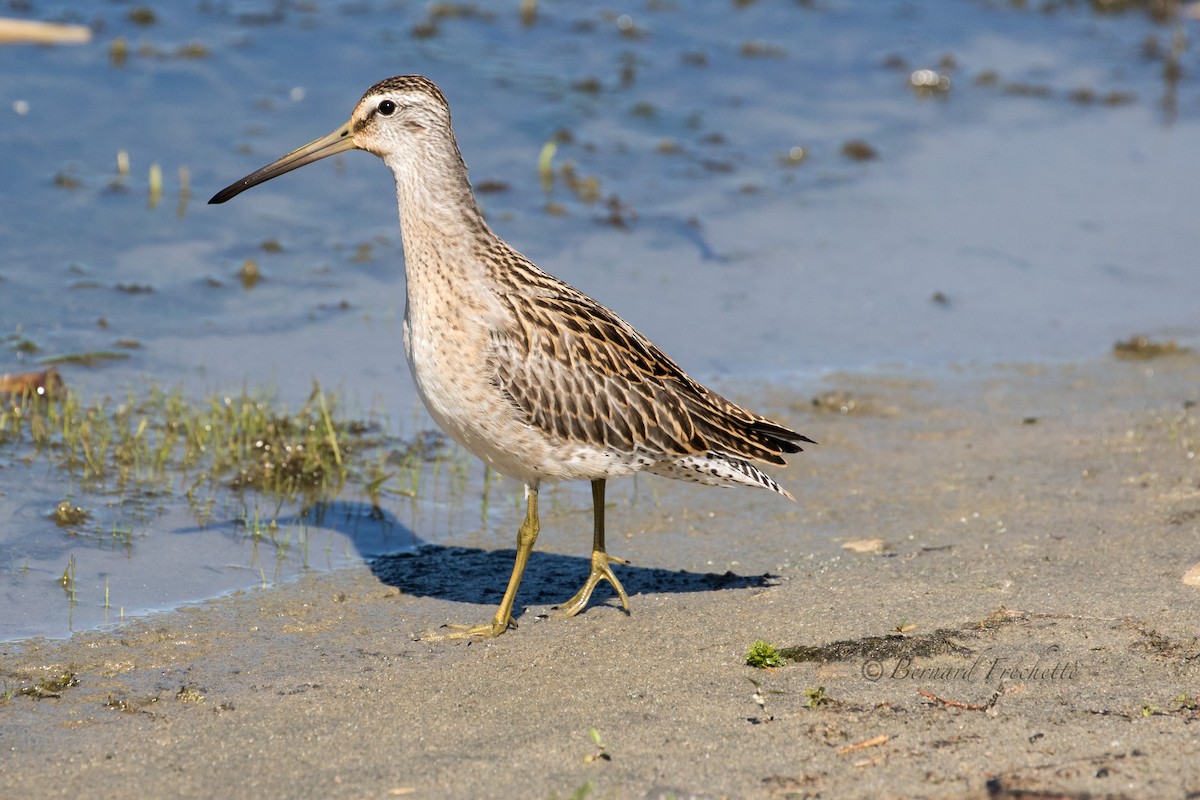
x,y
1050,226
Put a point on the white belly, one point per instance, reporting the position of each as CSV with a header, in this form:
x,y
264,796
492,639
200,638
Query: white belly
x,y
461,398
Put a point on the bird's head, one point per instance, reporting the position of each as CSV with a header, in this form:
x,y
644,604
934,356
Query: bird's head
x,y
391,118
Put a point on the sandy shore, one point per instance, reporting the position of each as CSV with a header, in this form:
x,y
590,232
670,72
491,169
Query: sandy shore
x,y
1037,525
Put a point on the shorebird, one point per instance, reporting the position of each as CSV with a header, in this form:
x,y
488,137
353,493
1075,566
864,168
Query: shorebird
x,y
534,377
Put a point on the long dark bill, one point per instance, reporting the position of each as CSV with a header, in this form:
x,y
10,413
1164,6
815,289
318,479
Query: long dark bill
x,y
337,142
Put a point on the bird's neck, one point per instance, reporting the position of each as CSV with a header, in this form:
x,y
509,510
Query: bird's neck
x,y
439,218
444,235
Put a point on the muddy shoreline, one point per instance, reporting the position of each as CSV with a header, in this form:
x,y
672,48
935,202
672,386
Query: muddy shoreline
x,y
1024,627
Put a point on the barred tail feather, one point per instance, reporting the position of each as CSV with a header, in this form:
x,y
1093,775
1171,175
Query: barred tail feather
x,y
717,469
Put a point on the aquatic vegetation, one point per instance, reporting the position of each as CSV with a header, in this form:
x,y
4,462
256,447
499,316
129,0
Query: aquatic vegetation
x,y
66,515
1144,348
50,687
144,446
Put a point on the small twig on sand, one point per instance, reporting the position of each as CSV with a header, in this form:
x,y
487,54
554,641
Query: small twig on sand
x,y
957,704
874,741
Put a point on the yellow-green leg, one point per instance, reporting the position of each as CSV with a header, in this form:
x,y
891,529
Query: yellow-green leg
x,y
600,561
526,536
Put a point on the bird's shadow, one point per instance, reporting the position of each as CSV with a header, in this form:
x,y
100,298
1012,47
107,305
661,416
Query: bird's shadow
x,y
472,575
475,575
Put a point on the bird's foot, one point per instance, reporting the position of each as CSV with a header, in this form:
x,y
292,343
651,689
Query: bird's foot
x,y
488,630
600,571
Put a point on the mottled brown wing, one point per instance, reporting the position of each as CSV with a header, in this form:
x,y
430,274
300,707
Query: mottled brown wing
x,y
580,372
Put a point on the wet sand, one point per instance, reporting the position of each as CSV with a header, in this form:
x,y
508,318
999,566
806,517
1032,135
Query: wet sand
x,y
1023,629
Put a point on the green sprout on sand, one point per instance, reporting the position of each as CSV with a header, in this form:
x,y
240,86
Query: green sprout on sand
x,y
599,755
579,794
763,654
817,697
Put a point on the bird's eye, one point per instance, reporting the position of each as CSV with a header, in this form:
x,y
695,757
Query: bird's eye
x,y
387,108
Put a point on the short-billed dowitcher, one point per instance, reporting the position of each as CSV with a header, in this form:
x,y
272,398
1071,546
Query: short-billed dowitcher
x,y
537,379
